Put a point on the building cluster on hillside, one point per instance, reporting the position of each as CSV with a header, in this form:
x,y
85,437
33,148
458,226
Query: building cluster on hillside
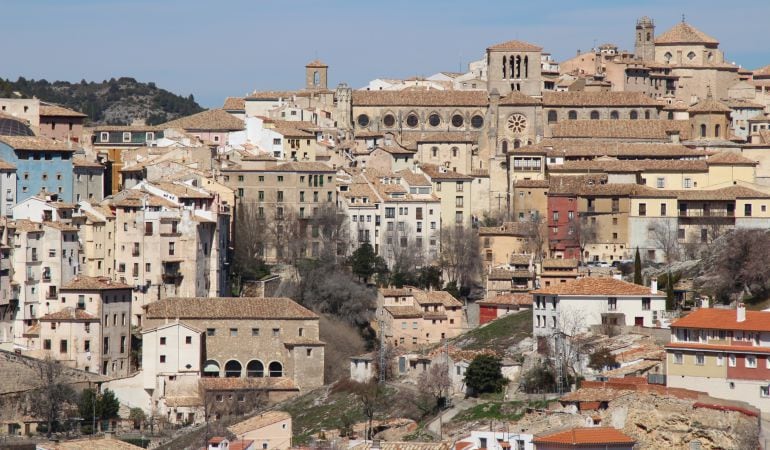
x,y
117,236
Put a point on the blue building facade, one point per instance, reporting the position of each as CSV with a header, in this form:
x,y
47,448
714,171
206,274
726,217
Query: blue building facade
x,y
41,164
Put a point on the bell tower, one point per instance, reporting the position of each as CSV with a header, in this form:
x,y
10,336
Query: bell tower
x,y
644,47
315,75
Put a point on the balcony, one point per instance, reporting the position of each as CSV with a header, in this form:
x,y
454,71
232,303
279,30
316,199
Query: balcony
x,y
717,213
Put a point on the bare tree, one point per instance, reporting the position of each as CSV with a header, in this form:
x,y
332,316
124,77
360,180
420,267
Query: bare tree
x,y
536,230
736,266
53,394
570,342
403,251
434,385
330,238
583,233
371,398
460,258
664,236
251,233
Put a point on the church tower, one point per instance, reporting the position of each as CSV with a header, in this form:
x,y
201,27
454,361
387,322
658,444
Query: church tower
x,y
315,75
644,47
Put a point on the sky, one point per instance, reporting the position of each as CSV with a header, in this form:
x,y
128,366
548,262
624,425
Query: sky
x,y
219,48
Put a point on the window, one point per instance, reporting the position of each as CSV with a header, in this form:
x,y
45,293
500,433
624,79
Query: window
x,y
700,359
572,115
363,120
747,210
612,303
104,136
171,248
687,183
457,121
634,115
211,332
188,339
751,361
731,360
127,136
477,121
434,120
552,116
646,303
594,115
412,120
163,340
233,332
46,344
703,130
764,391
720,359
661,183
389,120
614,115
663,209
63,346
459,202
678,359
642,209
276,332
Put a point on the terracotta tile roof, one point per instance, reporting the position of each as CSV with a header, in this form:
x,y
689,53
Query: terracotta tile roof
x,y
571,185
181,401
520,259
515,46
234,104
420,98
725,319
181,190
588,437
70,314
597,286
436,297
531,183
395,149
88,444
228,308
212,119
709,105
621,129
728,193
258,421
81,162
441,136
501,274
316,63
300,166
633,165
762,71
241,444
135,198
730,158
58,111
575,148
438,173
736,103
270,95
84,283
393,445
413,178
508,300
601,98
36,143
684,33
397,292
60,226
517,98
403,312
560,263
6,165
719,348
248,384
507,229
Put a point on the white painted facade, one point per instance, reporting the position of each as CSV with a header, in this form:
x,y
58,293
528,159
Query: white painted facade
x,y
493,440
268,140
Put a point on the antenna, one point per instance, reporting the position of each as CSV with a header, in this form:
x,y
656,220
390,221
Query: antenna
x,y
682,17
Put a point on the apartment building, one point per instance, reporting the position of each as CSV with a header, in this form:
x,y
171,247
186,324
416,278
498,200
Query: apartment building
x,y
500,244
97,235
42,165
87,328
249,337
724,352
577,305
170,240
411,318
454,191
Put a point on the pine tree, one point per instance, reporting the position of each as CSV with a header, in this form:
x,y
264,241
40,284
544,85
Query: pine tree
x,y
638,268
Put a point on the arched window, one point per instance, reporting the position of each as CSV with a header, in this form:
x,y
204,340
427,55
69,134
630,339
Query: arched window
x,y
634,115
670,115
255,369
614,115
552,116
316,78
505,67
211,368
667,57
647,115
594,115
233,369
703,130
691,56
516,143
434,152
572,115
526,67
276,369
454,152
505,147
717,129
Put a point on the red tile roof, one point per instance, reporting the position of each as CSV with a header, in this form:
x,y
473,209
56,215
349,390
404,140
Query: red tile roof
x,y
228,308
597,286
586,437
516,46
724,319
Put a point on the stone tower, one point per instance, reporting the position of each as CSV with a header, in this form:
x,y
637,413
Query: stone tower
x,y
344,112
315,75
514,66
644,47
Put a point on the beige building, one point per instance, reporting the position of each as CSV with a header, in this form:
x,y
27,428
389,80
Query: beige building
x,y
249,337
412,318
270,430
500,244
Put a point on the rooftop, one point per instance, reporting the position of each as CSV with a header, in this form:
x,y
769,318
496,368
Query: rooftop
x,y
84,283
725,319
515,46
258,421
280,308
507,300
601,98
585,437
58,111
36,143
248,384
234,104
597,286
209,120
684,33
621,129
420,98
70,314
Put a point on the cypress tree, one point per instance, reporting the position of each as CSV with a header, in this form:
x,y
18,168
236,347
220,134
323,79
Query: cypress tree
x,y
638,268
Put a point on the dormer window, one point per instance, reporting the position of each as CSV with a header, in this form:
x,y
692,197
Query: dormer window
x,y
104,136
127,136
149,136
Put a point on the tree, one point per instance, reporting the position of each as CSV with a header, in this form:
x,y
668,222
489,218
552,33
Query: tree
x,y
404,255
365,263
584,233
536,231
485,374
92,405
460,256
433,386
735,266
638,268
665,237
602,359
252,236
138,416
52,395
370,397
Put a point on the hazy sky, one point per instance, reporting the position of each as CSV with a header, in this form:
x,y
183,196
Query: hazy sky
x,y
218,48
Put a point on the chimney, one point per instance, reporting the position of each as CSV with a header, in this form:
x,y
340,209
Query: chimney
x,y
654,286
741,313
704,302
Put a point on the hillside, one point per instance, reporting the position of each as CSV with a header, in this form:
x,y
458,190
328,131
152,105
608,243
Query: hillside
x,y
116,101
